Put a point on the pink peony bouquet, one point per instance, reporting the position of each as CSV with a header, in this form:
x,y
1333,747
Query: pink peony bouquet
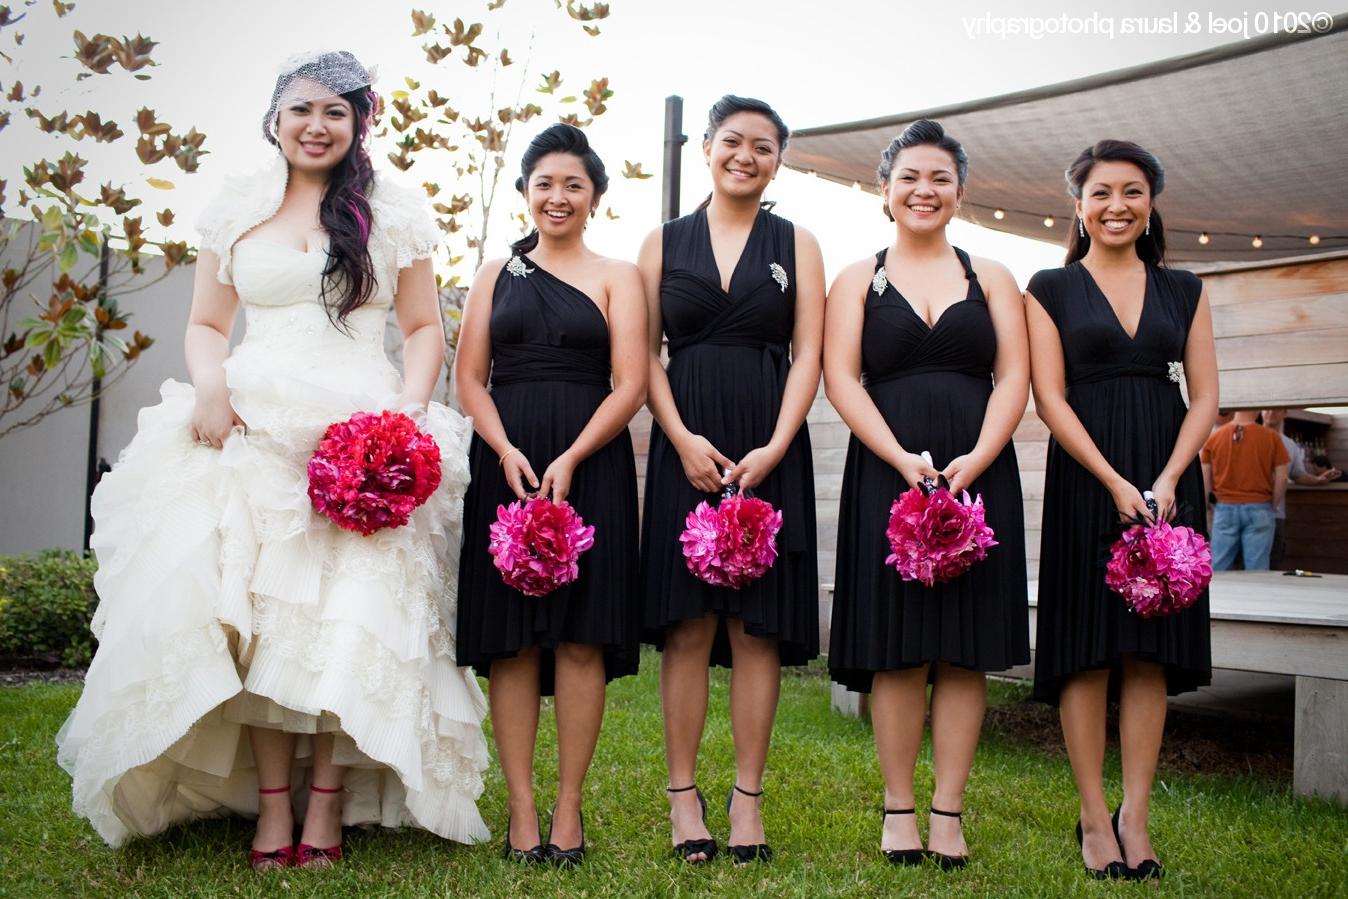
x,y
536,545
370,471
1159,569
935,537
733,543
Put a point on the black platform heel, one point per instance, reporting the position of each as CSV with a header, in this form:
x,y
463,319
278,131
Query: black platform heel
x,y
1111,871
706,847
1147,869
903,856
745,854
565,858
948,862
533,856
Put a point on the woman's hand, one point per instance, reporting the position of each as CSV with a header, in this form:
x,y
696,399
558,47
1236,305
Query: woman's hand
x,y
518,473
914,468
963,471
1163,492
702,463
557,478
1129,502
213,418
753,468
413,408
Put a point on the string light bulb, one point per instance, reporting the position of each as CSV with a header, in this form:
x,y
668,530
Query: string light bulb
x,y
999,214
1048,221
1204,238
1314,240
1257,242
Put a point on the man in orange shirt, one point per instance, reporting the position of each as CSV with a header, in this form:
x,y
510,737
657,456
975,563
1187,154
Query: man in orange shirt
x,y
1245,465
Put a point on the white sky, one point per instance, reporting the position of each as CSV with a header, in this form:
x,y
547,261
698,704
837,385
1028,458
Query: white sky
x,y
817,62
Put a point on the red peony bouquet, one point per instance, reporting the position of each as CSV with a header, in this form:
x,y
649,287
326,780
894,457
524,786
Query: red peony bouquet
x,y
732,543
1159,569
536,545
372,470
934,537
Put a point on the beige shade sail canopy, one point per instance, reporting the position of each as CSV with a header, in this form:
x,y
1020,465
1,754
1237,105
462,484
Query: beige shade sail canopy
x,y
1253,136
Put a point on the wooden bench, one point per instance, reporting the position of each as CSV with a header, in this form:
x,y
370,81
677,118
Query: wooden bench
x,y
1272,623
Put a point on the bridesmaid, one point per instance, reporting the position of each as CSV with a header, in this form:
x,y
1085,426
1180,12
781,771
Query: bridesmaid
x,y
739,293
1108,333
546,325
916,337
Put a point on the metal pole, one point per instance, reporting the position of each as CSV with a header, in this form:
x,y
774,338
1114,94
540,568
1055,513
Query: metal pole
x,y
92,471
674,141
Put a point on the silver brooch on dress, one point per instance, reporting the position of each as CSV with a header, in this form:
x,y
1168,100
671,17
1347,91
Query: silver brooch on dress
x,y
778,275
879,282
517,267
1175,371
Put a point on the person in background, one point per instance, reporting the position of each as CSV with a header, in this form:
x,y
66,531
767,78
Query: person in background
x,y
1297,473
1320,467
1245,465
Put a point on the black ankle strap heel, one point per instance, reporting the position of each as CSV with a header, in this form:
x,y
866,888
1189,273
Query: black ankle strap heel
x,y
707,847
949,862
745,854
903,856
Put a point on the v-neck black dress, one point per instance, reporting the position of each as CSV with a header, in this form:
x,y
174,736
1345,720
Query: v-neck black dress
x,y
932,386
550,371
1122,390
729,355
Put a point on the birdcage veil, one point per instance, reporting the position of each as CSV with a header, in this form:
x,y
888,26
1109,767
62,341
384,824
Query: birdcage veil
x,y
314,75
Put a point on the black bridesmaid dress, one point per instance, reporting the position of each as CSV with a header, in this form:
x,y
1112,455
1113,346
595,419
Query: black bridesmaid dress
x,y
932,386
729,355
550,372
1123,391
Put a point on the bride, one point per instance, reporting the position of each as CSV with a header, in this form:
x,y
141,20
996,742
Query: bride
x,y
253,657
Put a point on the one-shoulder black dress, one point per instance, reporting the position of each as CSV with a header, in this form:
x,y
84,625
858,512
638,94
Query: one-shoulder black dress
x,y
550,372
729,355
932,386
1126,392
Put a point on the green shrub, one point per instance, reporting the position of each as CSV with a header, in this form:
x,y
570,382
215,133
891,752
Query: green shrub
x,y
46,602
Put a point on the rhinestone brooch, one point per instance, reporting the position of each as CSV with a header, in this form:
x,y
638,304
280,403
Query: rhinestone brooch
x,y
517,268
778,275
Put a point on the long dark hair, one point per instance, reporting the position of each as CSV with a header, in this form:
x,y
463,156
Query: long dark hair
x,y
346,216
730,105
559,138
1151,245
922,133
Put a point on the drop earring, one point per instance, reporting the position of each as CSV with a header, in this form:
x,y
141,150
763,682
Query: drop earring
x,y
1081,228
1148,228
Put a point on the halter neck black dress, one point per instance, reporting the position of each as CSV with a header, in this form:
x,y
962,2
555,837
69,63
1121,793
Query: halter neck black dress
x,y
932,386
1121,389
550,372
729,355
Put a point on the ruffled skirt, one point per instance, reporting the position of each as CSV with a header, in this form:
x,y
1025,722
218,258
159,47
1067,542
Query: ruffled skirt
x,y
225,601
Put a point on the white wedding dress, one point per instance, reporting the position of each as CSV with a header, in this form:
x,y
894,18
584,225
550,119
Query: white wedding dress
x,y
225,600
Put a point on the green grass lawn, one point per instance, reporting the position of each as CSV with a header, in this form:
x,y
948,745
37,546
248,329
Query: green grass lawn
x,y
1217,836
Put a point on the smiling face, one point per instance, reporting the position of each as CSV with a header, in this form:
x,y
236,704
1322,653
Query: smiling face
x,y
743,155
315,127
1115,203
560,195
923,191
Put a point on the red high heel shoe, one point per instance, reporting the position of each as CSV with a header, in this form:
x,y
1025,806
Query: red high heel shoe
x,y
277,858
312,856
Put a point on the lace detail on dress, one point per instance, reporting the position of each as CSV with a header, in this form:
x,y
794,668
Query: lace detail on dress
x,y
403,217
245,202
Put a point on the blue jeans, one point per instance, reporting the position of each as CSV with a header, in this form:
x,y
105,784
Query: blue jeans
x,y
1243,527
